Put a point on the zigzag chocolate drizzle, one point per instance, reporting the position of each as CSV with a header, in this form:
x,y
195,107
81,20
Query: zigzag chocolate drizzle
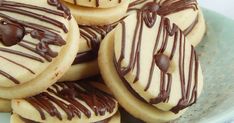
x,y
148,16
17,29
98,101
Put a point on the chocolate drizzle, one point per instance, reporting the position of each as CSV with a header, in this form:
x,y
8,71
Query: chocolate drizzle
x,y
60,6
168,7
98,101
148,16
93,35
12,32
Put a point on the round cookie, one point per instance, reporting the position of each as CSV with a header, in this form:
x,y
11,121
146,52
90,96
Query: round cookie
x,y
97,16
148,60
185,13
5,105
17,119
39,41
96,3
85,62
77,101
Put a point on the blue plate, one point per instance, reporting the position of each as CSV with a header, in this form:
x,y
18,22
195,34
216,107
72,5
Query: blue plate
x,y
216,104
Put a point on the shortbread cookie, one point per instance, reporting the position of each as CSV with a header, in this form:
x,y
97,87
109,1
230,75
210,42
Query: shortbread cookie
x,y
39,41
5,105
75,102
97,3
148,61
97,16
185,13
85,63
18,119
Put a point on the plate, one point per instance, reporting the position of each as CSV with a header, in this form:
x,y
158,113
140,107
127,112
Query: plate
x,y
216,104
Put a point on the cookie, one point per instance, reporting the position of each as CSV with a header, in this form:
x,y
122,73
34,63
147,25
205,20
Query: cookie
x,y
96,3
148,61
185,13
5,105
77,101
85,62
39,41
97,16
17,119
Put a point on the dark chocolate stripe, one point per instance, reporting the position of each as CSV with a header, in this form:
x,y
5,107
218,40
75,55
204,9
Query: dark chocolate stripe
x,y
8,76
60,6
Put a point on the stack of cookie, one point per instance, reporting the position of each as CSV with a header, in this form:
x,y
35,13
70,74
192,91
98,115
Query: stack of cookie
x,y
80,60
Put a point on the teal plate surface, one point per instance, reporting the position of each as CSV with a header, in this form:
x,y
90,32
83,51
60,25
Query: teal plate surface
x,y
216,104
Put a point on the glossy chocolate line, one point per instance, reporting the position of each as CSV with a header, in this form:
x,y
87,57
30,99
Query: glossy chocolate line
x,y
98,101
24,67
146,16
33,50
8,76
172,6
60,6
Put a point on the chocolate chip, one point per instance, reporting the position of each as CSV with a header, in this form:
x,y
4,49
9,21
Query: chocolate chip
x,y
162,61
11,33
